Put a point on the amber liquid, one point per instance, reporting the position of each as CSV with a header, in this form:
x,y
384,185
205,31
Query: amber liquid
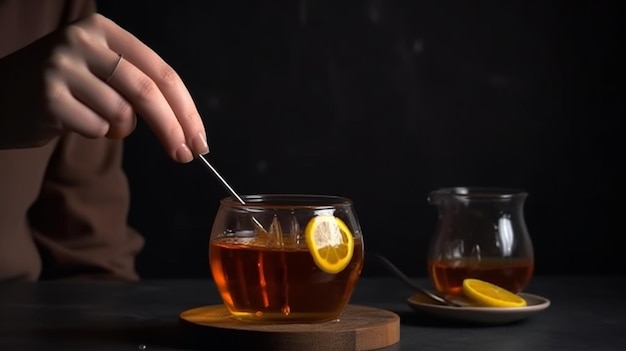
x,y
511,274
280,284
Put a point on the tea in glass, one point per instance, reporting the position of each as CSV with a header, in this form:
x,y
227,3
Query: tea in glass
x,y
286,258
481,234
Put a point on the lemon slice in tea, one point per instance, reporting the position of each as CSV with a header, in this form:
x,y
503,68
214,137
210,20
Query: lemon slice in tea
x,y
490,295
330,242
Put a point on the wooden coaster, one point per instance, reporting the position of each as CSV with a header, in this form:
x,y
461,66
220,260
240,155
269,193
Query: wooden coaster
x,y
359,328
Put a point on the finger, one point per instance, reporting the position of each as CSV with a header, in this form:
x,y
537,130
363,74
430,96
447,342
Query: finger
x,y
168,82
75,116
120,131
123,128
148,101
103,100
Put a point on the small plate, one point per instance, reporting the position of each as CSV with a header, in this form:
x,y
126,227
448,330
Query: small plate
x,y
481,315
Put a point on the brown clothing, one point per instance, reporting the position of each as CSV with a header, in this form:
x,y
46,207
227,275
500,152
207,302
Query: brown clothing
x,y
63,206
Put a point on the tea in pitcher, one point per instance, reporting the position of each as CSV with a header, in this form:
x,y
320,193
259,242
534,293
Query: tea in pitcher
x,y
510,274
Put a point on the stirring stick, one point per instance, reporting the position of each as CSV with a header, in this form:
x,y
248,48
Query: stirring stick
x,y
228,187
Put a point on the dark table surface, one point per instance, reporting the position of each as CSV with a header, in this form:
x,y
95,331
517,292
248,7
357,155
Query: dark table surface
x,y
586,313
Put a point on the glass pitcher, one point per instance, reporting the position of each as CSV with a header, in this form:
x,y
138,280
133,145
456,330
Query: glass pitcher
x,y
481,233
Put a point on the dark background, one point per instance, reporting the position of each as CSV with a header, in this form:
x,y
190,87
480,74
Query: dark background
x,y
382,102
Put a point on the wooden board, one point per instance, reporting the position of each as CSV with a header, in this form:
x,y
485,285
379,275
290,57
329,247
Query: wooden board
x,y
358,328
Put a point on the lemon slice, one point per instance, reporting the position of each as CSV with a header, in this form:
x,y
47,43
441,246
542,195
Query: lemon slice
x,y
490,295
330,242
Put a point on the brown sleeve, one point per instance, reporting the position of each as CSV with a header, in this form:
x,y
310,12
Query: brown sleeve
x,y
80,218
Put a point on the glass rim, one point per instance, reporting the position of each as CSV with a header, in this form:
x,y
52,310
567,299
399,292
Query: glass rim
x,y
480,192
284,200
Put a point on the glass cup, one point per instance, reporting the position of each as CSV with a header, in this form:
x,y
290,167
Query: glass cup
x,y
481,234
264,267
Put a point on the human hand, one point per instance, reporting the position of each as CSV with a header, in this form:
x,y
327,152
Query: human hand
x,y
70,80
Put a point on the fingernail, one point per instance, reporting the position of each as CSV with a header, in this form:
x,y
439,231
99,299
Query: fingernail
x,y
183,154
200,145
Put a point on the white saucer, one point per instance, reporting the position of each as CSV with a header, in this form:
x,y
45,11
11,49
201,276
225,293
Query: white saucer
x,y
481,315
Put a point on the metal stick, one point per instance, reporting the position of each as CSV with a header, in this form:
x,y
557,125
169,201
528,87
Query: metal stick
x,y
228,187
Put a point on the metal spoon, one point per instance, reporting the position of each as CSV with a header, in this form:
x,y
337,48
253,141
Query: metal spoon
x,y
437,298
228,187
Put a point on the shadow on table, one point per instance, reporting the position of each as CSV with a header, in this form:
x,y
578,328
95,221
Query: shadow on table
x,y
425,320
143,337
